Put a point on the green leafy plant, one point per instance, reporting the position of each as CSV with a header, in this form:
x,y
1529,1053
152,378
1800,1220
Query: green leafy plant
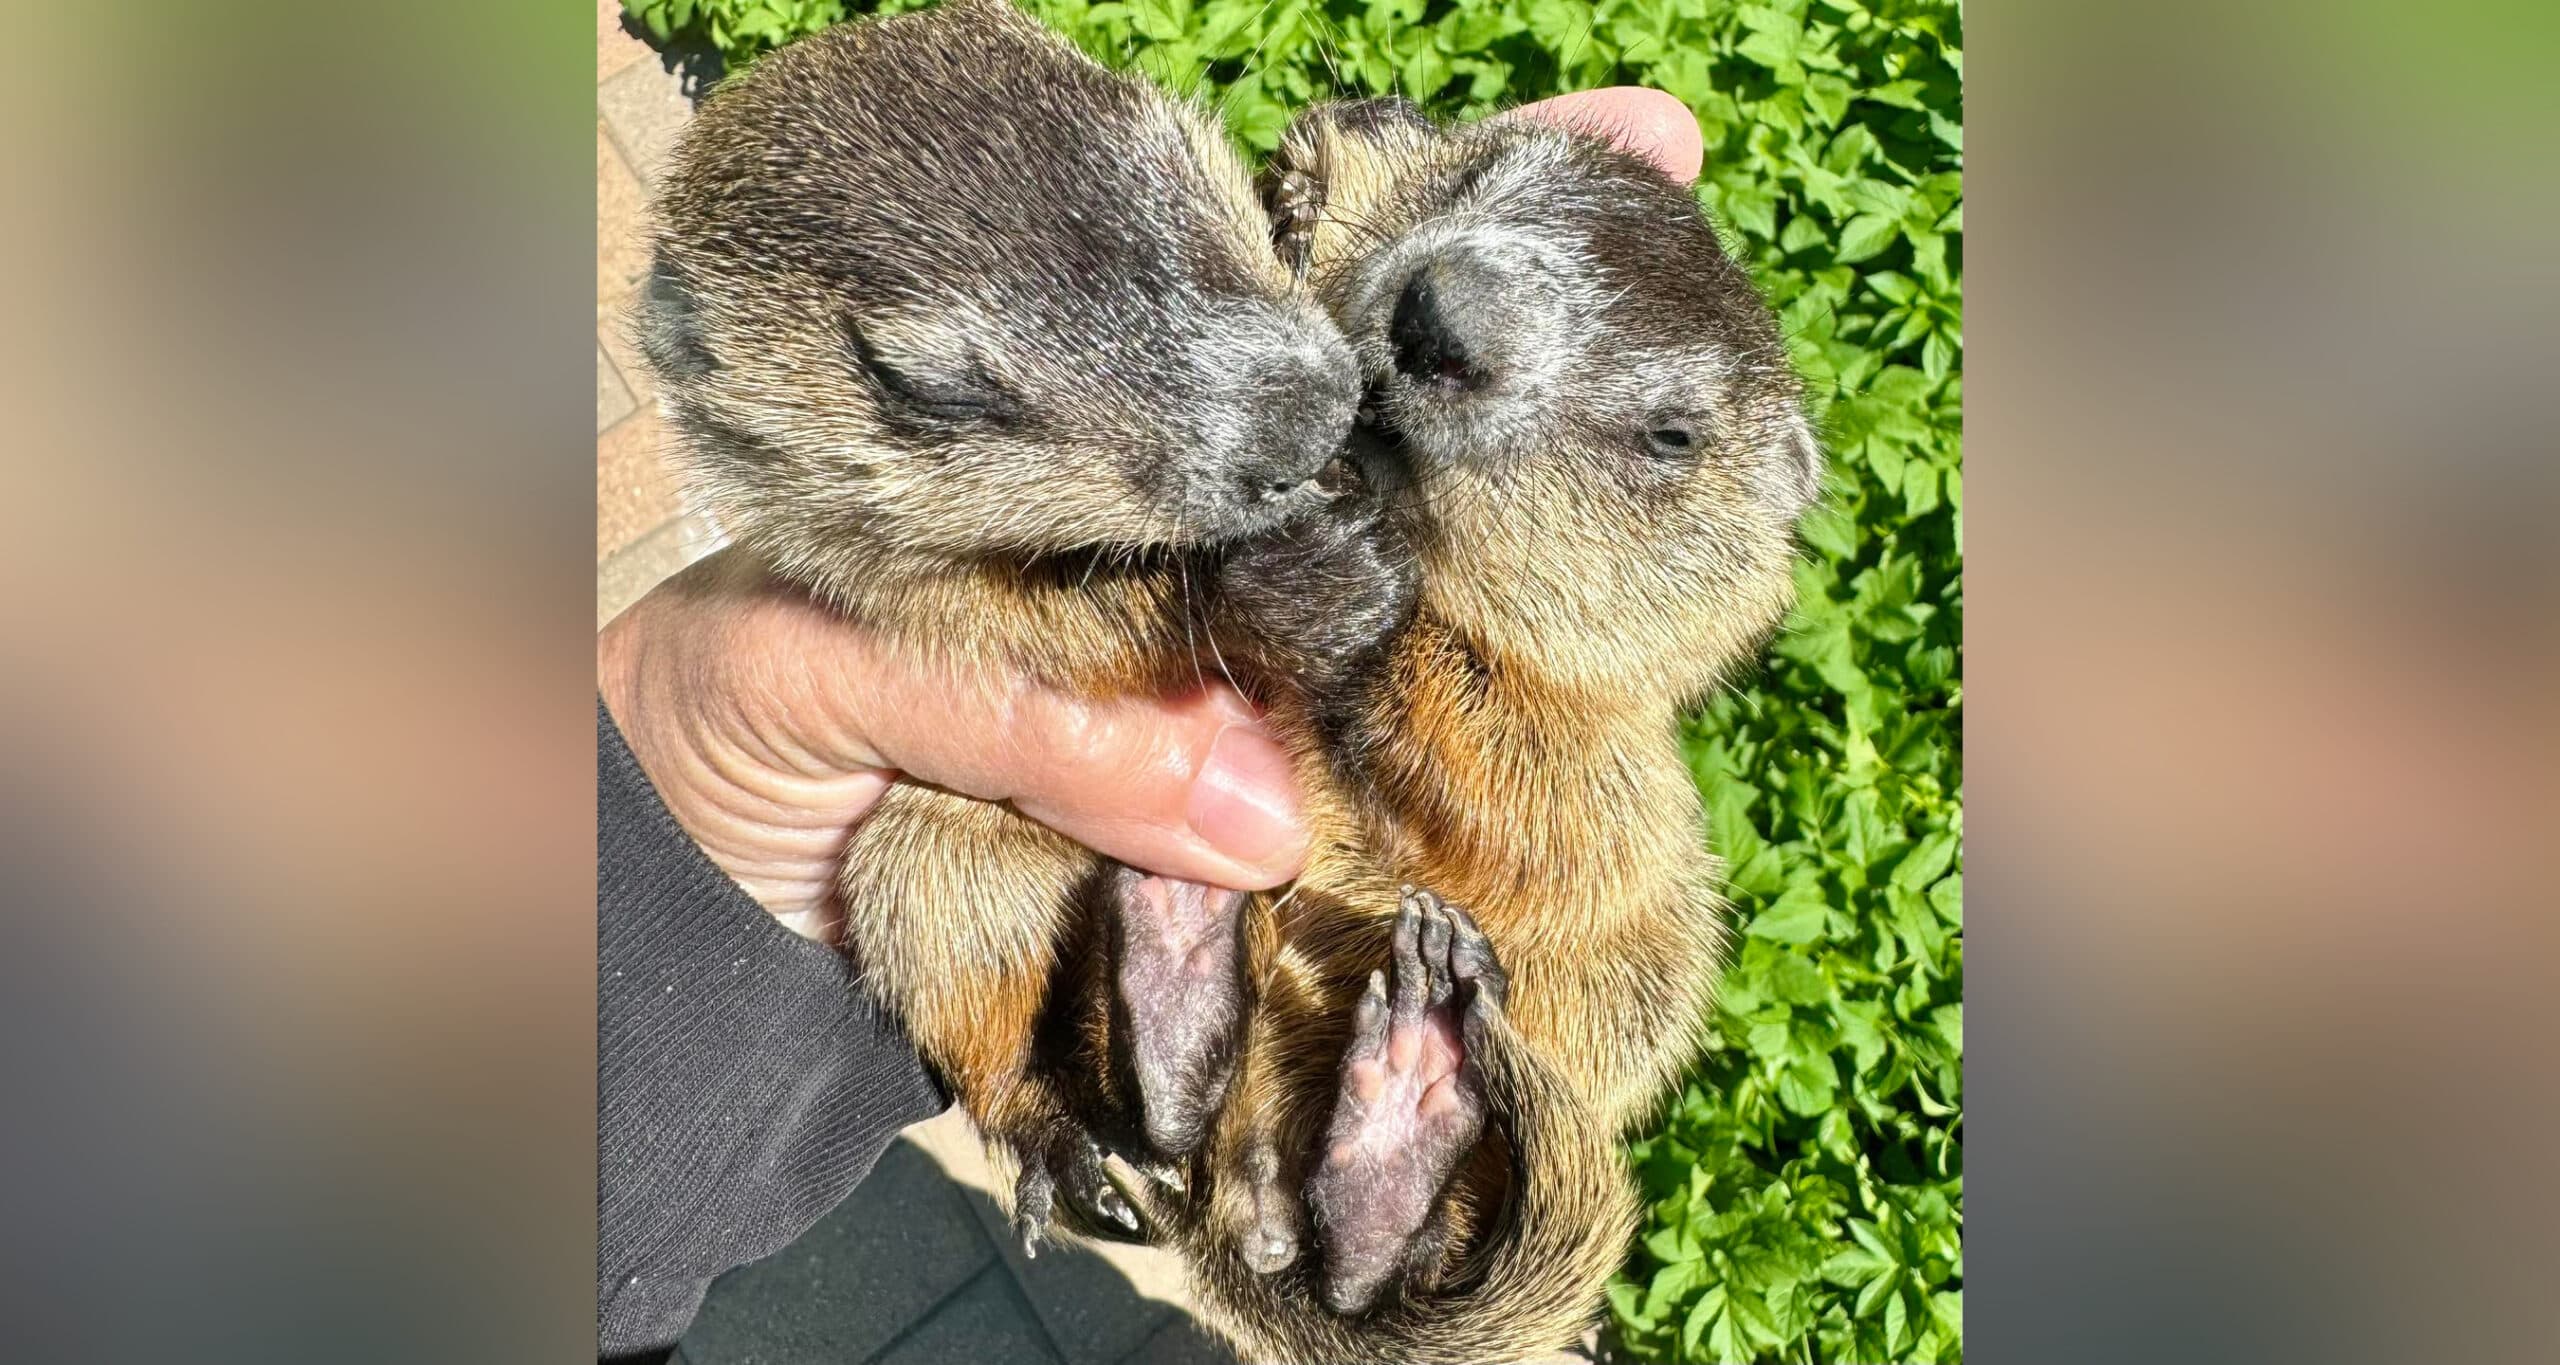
x,y
1805,1191
740,30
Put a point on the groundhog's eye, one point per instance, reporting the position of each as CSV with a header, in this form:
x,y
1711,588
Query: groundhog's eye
x,y
1676,439
930,391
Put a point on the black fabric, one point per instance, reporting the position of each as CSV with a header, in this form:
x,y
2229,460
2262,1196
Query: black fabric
x,y
744,1083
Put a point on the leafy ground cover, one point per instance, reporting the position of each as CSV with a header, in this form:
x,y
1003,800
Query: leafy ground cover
x,y
1806,1190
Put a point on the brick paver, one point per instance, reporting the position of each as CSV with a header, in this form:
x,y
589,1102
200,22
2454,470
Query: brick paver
x,y
641,532
613,397
985,1321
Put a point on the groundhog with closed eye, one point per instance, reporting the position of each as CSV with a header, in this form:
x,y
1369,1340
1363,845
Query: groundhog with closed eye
x,y
1603,460
987,347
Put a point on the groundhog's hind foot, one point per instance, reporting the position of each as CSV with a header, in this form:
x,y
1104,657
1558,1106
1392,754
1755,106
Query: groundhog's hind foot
x,y
1179,978
1411,1105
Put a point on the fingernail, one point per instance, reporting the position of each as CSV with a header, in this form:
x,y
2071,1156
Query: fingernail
x,y
1244,801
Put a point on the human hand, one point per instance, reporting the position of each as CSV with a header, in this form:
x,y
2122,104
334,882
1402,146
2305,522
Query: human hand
x,y
1648,123
771,726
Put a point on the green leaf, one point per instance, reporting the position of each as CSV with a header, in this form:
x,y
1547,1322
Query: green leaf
x,y
1724,1341
1828,531
1751,1313
1672,1283
1899,94
1947,1306
1809,1086
1800,233
1797,981
1854,1267
1161,20
1867,235
1919,490
1947,898
1751,209
1702,1315
1425,72
1777,51
1877,197
1770,1039
1876,1292
1949,1020
1796,917
1672,1245
1927,861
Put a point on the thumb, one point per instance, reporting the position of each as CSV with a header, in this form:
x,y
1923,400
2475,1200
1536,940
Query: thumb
x,y
1190,787
1649,123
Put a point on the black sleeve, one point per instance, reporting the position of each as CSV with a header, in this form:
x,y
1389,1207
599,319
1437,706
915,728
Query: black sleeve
x,y
744,1083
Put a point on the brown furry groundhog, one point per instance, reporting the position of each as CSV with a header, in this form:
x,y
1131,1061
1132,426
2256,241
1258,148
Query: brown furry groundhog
x,y
986,347
1604,459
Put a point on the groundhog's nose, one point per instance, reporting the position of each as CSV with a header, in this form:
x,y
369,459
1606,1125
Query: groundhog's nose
x,y
1432,347
1308,398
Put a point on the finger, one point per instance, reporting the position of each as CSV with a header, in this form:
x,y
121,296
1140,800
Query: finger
x,y
1648,123
1190,788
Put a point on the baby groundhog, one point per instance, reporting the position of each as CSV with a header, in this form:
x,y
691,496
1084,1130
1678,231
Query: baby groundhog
x,y
983,344
1604,459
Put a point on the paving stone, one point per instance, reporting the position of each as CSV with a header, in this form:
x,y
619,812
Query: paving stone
x,y
1098,1301
645,105
853,1283
984,1324
622,245
616,46
1109,1293
649,561
1181,1342
953,1140
635,492
1094,1309
613,400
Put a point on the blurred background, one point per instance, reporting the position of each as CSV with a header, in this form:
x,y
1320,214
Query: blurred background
x,y
2261,656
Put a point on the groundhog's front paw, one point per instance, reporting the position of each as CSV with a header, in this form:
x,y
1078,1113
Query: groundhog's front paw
x,y
1297,206
1411,1106
1312,602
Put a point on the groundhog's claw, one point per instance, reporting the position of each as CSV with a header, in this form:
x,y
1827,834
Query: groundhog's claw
x,y
1034,1196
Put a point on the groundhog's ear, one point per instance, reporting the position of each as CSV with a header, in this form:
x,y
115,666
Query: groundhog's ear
x,y
1375,115
670,330
1390,118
